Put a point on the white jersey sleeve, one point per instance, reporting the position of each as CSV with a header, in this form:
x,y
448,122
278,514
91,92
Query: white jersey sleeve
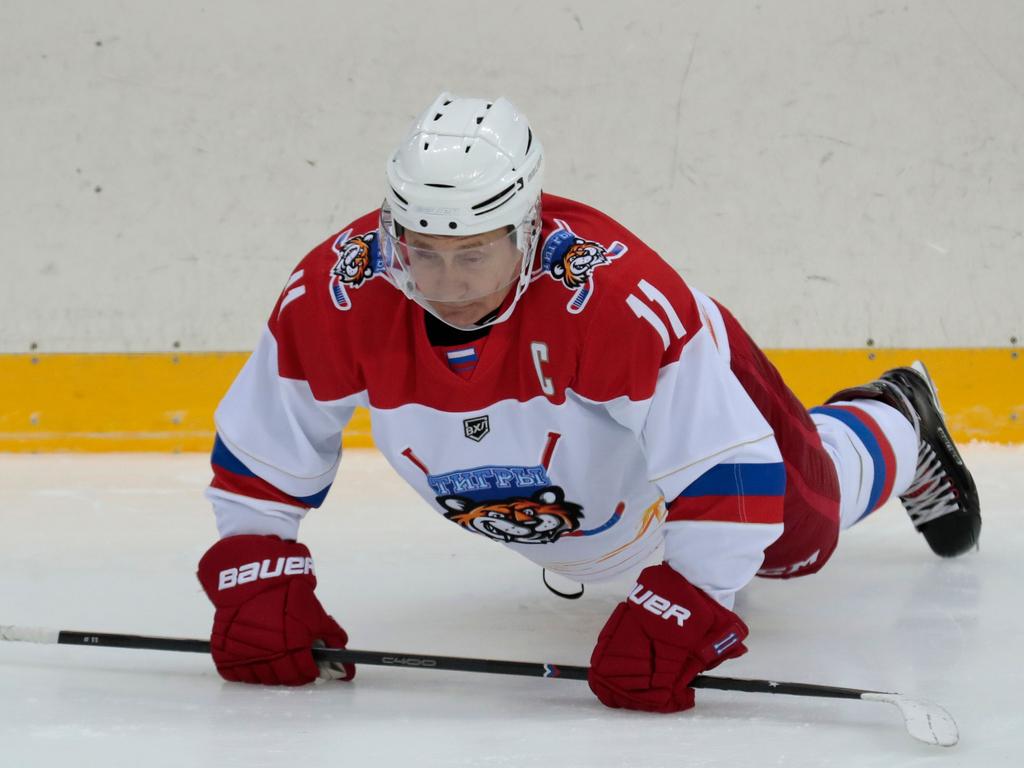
x,y
708,448
278,444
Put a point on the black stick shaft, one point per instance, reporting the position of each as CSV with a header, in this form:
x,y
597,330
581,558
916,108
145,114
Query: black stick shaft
x,y
455,663
142,642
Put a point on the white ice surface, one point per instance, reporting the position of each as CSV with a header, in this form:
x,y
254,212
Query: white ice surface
x,y
110,543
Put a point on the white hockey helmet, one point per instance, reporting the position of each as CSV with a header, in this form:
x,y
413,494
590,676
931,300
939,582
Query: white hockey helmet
x,y
466,167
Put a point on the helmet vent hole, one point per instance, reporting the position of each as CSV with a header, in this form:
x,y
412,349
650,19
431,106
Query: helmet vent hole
x,y
423,222
467,148
529,139
479,119
449,101
426,145
452,225
488,106
437,117
439,186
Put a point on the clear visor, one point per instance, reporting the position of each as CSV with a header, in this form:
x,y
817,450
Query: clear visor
x,y
452,270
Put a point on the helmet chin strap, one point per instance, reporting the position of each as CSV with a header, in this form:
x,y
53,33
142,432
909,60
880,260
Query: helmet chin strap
x,y
527,239
490,318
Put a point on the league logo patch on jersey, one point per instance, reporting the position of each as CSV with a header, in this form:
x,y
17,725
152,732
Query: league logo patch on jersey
x,y
358,261
571,260
476,429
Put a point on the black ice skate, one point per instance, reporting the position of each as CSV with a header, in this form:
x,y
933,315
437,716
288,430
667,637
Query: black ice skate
x,y
942,500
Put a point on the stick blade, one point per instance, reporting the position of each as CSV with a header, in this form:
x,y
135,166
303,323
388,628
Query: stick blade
x,y
925,721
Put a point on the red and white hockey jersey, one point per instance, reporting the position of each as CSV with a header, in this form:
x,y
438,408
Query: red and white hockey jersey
x,y
608,414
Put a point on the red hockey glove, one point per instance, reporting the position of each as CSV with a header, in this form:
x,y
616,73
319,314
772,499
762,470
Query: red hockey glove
x,y
655,642
267,618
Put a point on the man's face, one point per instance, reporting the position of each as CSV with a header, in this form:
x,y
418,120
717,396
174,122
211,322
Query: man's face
x,y
463,278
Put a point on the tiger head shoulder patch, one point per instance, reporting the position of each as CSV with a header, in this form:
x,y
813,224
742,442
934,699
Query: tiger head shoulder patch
x,y
571,260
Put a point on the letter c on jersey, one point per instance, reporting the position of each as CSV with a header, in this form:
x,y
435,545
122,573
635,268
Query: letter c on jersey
x,y
539,350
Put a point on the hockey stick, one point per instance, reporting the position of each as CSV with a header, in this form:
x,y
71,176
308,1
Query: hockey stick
x,y
926,722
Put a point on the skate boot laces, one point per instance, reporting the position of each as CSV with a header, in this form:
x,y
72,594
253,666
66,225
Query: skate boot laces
x,y
931,494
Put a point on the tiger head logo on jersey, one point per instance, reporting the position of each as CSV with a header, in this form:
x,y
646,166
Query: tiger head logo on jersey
x,y
539,519
510,503
358,261
571,260
577,263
